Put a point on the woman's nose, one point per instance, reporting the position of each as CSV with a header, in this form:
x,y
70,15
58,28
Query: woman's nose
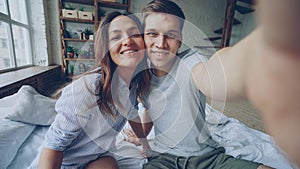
x,y
127,41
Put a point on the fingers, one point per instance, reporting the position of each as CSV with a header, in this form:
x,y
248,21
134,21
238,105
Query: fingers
x,y
131,137
129,133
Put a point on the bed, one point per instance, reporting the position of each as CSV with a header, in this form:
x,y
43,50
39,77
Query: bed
x,y
26,115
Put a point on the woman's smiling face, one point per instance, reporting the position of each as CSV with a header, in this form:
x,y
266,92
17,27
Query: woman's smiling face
x,y
125,42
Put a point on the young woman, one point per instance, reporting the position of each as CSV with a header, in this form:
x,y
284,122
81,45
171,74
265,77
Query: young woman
x,y
93,109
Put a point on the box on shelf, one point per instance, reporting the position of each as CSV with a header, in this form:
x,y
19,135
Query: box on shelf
x,y
69,13
110,0
85,15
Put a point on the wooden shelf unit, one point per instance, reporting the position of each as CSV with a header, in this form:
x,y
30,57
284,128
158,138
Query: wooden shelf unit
x,y
66,40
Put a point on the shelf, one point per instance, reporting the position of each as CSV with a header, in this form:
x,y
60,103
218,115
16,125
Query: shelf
x,y
86,2
81,59
112,5
73,24
78,20
77,40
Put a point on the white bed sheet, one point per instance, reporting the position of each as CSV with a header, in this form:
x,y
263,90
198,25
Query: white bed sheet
x,y
239,141
29,149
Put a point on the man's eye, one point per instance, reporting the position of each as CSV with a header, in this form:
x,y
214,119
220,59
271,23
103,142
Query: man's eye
x,y
171,35
152,34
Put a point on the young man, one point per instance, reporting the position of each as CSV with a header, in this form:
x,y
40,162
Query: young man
x,y
174,105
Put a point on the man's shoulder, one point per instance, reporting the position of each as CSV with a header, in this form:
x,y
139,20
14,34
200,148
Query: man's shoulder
x,y
191,57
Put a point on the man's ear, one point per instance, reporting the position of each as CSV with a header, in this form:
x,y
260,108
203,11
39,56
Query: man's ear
x,y
180,42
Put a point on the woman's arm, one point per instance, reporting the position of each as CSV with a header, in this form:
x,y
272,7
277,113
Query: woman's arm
x,y
147,122
137,128
50,159
147,126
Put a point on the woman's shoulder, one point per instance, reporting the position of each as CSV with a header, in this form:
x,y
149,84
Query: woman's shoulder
x,y
90,78
88,82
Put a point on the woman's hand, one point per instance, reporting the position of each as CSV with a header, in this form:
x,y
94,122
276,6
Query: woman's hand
x,y
131,137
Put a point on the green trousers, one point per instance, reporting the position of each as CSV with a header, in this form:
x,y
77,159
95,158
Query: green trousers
x,y
216,159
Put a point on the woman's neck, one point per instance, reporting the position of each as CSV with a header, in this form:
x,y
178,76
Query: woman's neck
x,y
126,74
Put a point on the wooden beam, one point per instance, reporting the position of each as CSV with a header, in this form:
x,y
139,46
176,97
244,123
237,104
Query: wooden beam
x,y
228,22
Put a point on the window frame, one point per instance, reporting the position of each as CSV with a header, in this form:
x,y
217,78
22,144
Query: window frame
x,y
6,18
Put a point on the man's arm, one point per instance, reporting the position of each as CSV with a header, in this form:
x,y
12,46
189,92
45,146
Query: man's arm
x,y
222,77
50,159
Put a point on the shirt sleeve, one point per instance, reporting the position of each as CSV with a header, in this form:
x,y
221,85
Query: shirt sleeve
x,y
73,113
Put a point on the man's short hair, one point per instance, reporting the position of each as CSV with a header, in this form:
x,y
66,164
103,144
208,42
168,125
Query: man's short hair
x,y
164,6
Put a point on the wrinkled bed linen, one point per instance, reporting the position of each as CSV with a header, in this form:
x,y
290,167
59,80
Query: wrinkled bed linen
x,y
19,141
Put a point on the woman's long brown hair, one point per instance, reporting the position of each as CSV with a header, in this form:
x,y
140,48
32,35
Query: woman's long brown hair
x,y
140,81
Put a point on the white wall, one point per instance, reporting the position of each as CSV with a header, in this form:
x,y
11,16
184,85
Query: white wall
x,y
248,24
40,42
53,30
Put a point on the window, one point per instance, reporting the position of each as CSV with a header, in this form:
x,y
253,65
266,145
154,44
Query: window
x,y
15,43
3,8
3,42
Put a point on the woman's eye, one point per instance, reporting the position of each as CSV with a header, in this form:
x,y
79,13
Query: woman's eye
x,y
137,35
114,38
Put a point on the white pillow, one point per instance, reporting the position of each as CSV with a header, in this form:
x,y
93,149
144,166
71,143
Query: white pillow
x,y
32,107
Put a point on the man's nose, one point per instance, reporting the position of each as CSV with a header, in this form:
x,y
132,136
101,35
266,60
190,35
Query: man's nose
x,y
160,41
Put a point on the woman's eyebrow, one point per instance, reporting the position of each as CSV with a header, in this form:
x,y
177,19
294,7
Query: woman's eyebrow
x,y
118,30
133,28
115,31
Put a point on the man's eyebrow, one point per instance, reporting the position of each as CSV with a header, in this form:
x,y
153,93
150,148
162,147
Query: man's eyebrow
x,y
150,29
173,30
154,30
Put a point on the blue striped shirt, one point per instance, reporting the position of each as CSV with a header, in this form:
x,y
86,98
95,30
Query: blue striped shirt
x,y
80,130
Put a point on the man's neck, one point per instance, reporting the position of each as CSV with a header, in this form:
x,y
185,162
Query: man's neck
x,y
158,72
162,71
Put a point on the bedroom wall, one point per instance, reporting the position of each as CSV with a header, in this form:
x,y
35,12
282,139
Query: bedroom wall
x,y
248,24
52,22
53,30
39,40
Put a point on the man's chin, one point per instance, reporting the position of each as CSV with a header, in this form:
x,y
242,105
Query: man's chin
x,y
156,64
